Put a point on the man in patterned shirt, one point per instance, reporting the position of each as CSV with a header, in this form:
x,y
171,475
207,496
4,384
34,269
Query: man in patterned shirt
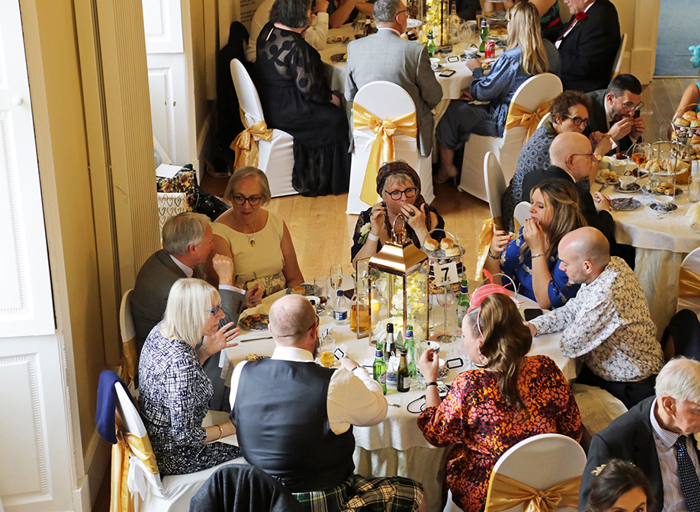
x,y
607,324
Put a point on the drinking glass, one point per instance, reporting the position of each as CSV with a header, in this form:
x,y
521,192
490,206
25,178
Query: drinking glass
x,y
326,351
321,287
336,277
421,347
641,153
445,298
694,183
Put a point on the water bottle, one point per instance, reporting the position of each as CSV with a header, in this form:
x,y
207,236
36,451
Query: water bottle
x,y
341,311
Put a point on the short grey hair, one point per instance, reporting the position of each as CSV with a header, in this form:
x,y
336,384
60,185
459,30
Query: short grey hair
x,y
290,319
680,379
189,304
247,172
385,11
183,230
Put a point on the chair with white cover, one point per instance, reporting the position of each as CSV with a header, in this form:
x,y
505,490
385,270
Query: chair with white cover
x,y
521,214
385,100
543,120
276,156
128,334
155,494
495,185
533,93
688,282
617,66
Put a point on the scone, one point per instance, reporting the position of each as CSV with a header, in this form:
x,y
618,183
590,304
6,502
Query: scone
x,y
690,115
682,122
446,242
452,252
431,244
695,123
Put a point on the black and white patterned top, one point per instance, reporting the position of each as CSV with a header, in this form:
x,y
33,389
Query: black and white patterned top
x,y
174,395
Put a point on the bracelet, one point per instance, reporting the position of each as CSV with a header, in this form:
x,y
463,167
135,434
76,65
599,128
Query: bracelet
x,y
537,255
492,256
372,237
221,433
431,384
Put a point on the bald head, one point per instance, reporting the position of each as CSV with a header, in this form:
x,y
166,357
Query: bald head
x,y
586,250
571,143
290,320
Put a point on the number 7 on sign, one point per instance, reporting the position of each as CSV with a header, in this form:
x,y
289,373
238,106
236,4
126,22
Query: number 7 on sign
x,y
446,274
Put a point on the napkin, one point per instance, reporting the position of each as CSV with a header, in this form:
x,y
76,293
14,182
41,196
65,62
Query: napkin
x,y
693,214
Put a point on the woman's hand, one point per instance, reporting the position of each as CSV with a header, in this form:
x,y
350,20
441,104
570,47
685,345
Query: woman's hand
x,y
322,5
602,202
602,143
217,342
466,94
534,237
223,266
253,296
376,218
335,100
472,64
500,240
415,217
429,365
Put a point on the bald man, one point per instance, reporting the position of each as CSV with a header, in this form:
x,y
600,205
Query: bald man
x,y
294,418
607,324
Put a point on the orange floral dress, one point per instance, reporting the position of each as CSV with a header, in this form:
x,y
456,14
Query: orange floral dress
x,y
476,418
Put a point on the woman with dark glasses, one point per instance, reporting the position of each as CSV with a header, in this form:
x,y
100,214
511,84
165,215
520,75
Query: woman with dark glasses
x,y
257,240
174,390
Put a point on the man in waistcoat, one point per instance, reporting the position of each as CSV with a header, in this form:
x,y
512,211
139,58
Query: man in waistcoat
x,y
294,418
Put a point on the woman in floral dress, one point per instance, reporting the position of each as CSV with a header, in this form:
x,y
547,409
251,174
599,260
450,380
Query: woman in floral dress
x,y
508,398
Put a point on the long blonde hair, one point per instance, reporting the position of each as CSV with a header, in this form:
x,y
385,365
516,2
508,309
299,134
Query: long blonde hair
x,y
524,31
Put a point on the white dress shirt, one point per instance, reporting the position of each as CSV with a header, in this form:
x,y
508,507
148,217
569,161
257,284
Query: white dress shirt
x,y
354,398
664,440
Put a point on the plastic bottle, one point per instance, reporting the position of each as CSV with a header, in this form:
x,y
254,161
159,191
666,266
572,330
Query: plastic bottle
x,y
483,35
431,44
379,367
462,302
404,382
341,311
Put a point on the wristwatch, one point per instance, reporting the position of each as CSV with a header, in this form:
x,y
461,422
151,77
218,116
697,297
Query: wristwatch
x,y
431,384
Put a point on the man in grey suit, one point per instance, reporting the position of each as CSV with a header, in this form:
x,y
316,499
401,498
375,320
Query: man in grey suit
x,y
187,242
385,56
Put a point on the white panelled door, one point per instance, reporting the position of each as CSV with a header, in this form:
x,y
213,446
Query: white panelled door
x,y
36,462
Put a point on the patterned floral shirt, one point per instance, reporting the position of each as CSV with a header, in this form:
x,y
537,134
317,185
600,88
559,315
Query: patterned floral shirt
x,y
608,325
476,419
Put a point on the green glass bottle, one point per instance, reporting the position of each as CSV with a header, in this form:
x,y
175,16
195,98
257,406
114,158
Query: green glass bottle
x,y
431,44
462,302
483,35
379,367
411,351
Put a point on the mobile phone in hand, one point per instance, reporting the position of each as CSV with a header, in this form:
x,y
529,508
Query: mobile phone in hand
x,y
532,313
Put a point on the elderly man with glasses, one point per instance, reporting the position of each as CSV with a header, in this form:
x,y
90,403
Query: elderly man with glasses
x,y
616,112
294,419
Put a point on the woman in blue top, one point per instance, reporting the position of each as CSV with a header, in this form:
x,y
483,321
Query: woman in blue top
x,y
531,259
525,56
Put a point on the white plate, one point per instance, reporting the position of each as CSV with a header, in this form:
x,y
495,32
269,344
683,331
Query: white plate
x,y
411,23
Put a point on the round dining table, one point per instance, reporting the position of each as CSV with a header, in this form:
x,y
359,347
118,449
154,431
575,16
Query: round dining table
x,y
395,446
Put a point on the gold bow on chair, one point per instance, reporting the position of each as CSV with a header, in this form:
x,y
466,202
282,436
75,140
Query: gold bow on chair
x,y
688,284
131,359
520,116
141,447
485,238
505,493
245,146
383,146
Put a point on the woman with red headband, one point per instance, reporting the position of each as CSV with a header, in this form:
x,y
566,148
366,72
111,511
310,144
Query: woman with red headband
x,y
507,398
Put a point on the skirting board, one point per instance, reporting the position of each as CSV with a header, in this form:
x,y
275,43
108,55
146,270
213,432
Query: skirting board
x,y
97,466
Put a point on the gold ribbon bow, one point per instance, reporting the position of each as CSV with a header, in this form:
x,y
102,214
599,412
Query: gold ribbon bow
x,y
485,238
383,146
688,284
520,116
245,146
505,493
128,369
141,447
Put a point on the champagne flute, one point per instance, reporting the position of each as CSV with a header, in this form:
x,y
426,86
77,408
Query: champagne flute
x,y
641,153
445,298
336,276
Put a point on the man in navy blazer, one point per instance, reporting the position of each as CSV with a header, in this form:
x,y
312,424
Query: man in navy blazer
x,y
588,44
648,433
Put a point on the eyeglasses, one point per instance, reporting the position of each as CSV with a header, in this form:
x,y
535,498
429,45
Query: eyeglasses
x,y
409,193
591,156
629,106
578,120
215,310
241,199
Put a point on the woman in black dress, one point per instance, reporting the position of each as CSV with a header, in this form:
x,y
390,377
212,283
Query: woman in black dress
x,y
296,98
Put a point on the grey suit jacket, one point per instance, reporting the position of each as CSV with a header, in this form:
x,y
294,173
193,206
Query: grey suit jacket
x,y
385,56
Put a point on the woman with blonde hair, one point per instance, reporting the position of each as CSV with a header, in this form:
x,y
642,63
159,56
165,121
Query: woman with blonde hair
x,y
174,390
526,55
507,398
531,258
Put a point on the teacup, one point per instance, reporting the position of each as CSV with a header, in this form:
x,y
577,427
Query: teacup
x,y
434,63
469,55
627,182
664,203
619,166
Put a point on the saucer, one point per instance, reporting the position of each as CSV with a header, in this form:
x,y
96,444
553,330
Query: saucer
x,y
625,204
634,187
663,208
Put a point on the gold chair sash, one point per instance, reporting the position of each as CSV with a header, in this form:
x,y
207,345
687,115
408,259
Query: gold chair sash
x,y
244,144
505,493
485,238
141,447
688,284
383,146
520,116
128,369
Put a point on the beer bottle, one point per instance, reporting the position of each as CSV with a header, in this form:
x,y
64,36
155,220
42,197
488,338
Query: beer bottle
x,y
379,367
404,381
389,346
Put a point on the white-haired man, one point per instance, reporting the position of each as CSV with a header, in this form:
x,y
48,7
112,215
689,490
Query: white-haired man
x,y
657,436
294,419
187,242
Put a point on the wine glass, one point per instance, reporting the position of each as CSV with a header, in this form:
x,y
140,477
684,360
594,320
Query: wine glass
x,y
641,152
445,298
336,277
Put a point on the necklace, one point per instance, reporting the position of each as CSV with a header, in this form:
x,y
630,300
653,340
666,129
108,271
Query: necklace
x,y
251,238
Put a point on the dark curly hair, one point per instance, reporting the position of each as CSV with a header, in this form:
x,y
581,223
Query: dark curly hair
x,y
291,13
618,477
567,99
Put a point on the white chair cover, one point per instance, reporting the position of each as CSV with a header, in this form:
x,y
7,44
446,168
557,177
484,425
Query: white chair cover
x,y
691,263
385,100
169,494
530,95
495,183
522,212
618,56
128,335
543,120
598,409
276,156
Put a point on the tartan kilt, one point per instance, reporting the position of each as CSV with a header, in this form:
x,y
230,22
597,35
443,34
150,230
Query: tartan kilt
x,y
391,494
